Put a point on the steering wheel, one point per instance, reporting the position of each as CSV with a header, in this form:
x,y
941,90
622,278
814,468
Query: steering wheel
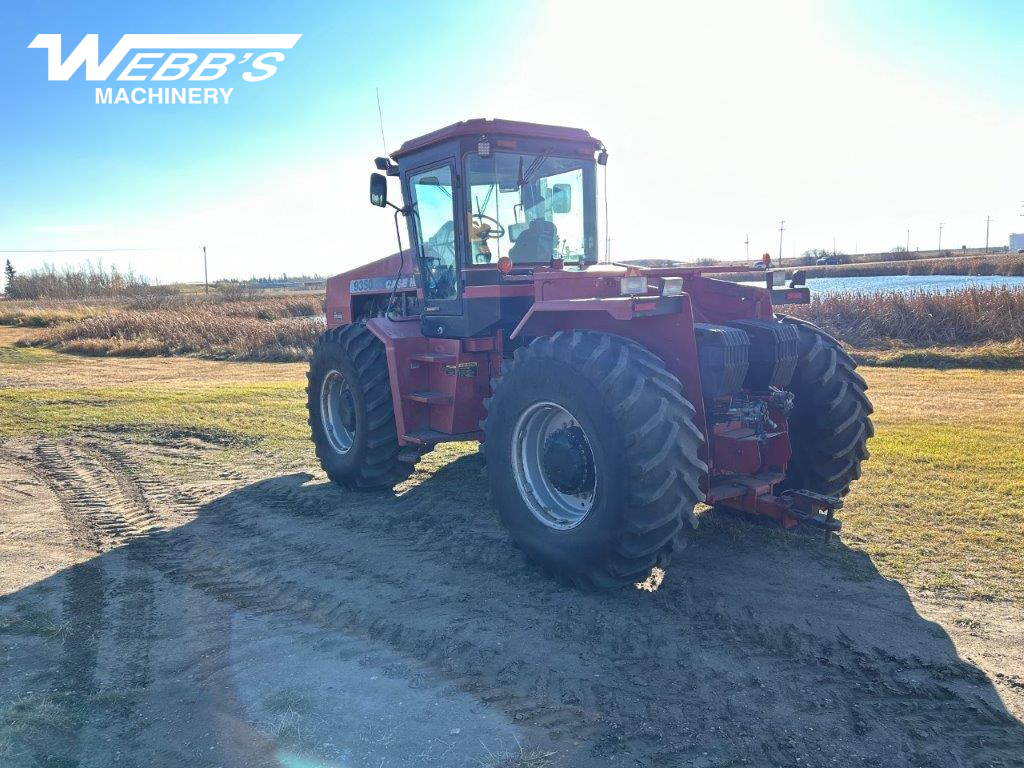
x,y
439,274
496,231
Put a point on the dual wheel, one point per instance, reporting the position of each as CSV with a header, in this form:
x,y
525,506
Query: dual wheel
x,y
592,450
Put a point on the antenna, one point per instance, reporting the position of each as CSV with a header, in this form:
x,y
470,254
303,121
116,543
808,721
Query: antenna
x,y
380,117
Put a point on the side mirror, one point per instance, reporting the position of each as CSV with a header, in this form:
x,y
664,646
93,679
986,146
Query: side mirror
x,y
561,198
378,190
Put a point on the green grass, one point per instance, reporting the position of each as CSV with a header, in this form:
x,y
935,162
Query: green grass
x,y
943,507
13,356
941,504
271,413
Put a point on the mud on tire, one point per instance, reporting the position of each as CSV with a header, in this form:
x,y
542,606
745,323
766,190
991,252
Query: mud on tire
x,y
352,361
644,445
830,423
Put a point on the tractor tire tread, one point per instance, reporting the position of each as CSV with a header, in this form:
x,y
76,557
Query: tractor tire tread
x,y
380,467
830,423
661,445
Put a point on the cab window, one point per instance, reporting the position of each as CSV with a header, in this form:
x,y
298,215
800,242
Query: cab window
x,y
435,228
529,207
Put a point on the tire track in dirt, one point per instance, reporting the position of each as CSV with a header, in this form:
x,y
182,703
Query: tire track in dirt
x,y
206,559
100,502
363,589
95,517
111,602
663,675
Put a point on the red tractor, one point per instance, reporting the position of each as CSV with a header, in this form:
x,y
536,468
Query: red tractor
x,y
610,398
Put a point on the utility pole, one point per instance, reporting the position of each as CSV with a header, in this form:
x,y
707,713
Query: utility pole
x,y
782,228
940,235
988,220
908,240
206,278
833,245
747,243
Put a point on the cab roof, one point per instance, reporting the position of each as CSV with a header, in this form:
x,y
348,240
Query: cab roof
x,y
485,126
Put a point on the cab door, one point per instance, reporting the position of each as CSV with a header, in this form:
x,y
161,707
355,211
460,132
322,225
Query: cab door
x,y
439,236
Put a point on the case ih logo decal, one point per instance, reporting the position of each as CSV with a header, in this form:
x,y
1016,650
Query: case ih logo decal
x,y
168,58
379,284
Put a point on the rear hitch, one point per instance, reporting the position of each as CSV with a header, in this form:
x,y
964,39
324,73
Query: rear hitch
x,y
789,508
814,509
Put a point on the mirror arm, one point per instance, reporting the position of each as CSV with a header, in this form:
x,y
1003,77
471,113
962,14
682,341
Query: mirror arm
x,y
405,210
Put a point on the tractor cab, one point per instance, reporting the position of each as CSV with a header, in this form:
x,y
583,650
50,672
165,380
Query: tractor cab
x,y
488,202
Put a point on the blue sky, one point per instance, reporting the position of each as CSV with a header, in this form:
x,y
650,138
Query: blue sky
x,y
853,121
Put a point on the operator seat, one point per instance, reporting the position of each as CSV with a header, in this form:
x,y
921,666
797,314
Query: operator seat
x,y
536,245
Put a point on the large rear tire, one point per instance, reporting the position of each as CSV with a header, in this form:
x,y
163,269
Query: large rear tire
x,y
351,416
593,457
830,423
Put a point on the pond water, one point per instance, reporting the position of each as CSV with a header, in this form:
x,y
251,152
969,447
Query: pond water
x,y
907,283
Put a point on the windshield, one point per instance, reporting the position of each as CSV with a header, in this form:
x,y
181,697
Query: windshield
x,y
530,207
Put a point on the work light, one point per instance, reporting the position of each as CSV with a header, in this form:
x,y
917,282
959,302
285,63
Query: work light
x,y
671,286
633,286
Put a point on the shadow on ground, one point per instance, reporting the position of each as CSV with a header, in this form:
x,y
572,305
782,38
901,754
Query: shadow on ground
x,y
291,623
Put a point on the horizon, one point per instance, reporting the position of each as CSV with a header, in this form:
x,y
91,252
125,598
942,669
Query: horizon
x,y
853,123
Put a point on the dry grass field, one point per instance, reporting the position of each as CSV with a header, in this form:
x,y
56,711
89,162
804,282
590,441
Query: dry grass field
x,y
278,328
973,327
968,328
180,586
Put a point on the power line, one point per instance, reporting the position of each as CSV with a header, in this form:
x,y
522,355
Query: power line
x,y
80,250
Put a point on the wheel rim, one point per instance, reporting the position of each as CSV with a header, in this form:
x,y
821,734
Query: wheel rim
x,y
337,412
553,464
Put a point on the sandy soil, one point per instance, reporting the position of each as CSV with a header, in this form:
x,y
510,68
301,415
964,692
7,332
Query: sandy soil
x,y
160,610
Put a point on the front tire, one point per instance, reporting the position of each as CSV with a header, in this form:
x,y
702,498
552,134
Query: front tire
x,y
351,415
593,457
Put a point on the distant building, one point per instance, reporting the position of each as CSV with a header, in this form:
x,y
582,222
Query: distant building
x,y
1016,242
